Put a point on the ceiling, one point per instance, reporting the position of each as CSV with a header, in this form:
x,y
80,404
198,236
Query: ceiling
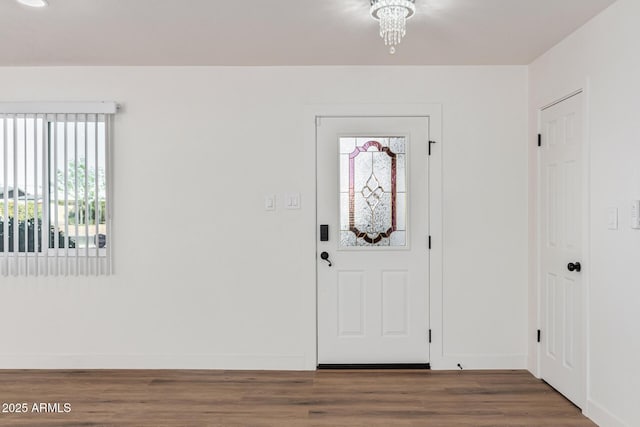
x,y
282,32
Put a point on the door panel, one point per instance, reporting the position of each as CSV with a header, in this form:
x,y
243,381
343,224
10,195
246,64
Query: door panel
x,y
563,297
350,303
395,303
372,184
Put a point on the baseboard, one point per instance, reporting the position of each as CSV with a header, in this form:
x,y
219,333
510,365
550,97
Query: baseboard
x,y
225,361
601,416
481,361
376,366
292,362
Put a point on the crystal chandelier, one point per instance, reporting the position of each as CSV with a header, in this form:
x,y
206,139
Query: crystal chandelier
x,y
393,15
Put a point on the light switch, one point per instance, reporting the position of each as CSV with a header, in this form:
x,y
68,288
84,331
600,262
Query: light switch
x,y
612,219
635,214
270,202
292,200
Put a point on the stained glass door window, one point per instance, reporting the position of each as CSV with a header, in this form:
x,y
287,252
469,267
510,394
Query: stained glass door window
x,y
373,191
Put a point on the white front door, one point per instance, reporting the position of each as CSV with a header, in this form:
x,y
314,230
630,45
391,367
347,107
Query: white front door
x,y
373,227
561,248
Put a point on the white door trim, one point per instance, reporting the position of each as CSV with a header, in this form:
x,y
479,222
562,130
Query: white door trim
x,y
586,241
434,112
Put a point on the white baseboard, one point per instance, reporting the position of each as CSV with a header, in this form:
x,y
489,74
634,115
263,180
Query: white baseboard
x,y
480,361
154,361
601,416
226,361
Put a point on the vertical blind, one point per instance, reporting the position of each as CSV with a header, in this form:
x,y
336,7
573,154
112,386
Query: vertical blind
x,y
55,205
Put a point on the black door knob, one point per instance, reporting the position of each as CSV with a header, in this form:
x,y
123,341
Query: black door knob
x,y
325,256
574,266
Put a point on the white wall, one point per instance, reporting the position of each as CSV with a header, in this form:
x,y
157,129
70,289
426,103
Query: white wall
x,y
602,57
211,280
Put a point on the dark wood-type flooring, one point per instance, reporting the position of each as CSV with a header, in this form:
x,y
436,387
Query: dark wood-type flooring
x,y
270,398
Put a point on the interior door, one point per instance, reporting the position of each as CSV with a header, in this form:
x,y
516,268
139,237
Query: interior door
x,y
373,244
562,293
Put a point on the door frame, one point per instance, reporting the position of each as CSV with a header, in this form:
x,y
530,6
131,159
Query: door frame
x,y
434,111
586,235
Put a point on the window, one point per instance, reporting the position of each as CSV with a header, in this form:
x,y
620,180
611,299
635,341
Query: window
x,y
373,191
54,188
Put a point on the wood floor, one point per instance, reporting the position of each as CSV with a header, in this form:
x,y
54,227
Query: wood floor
x,y
267,398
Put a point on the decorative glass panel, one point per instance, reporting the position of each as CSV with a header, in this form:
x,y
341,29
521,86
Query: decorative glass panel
x,y
373,191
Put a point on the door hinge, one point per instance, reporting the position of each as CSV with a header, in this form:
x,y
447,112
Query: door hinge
x,y
429,242
539,140
539,335
429,336
431,142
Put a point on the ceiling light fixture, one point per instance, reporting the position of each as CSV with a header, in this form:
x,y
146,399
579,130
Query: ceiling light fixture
x,y
393,15
33,3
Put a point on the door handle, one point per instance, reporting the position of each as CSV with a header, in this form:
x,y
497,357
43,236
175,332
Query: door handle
x,y
574,267
325,256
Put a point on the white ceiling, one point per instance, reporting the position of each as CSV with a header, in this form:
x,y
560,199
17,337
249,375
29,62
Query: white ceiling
x,y
282,32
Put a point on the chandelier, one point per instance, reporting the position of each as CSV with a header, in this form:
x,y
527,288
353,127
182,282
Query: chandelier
x,y
393,15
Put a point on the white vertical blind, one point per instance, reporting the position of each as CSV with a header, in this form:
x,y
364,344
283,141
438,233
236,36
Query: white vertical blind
x,y
97,200
56,201
5,192
107,189
86,188
36,212
16,192
55,214
46,196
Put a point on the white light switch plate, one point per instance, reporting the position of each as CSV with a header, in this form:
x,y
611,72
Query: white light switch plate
x,y
292,200
635,214
270,202
612,219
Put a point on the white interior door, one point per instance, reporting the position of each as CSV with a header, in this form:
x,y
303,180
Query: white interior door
x,y
373,192
562,294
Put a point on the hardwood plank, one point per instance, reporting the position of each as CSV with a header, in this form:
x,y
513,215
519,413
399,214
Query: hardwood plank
x,y
276,398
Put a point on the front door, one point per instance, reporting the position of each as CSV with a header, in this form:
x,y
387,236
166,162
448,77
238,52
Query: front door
x,y
373,244
562,295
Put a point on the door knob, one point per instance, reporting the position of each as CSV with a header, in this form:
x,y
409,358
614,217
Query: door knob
x,y
574,266
325,256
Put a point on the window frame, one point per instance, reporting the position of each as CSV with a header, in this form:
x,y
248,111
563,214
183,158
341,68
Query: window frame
x,y
43,159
